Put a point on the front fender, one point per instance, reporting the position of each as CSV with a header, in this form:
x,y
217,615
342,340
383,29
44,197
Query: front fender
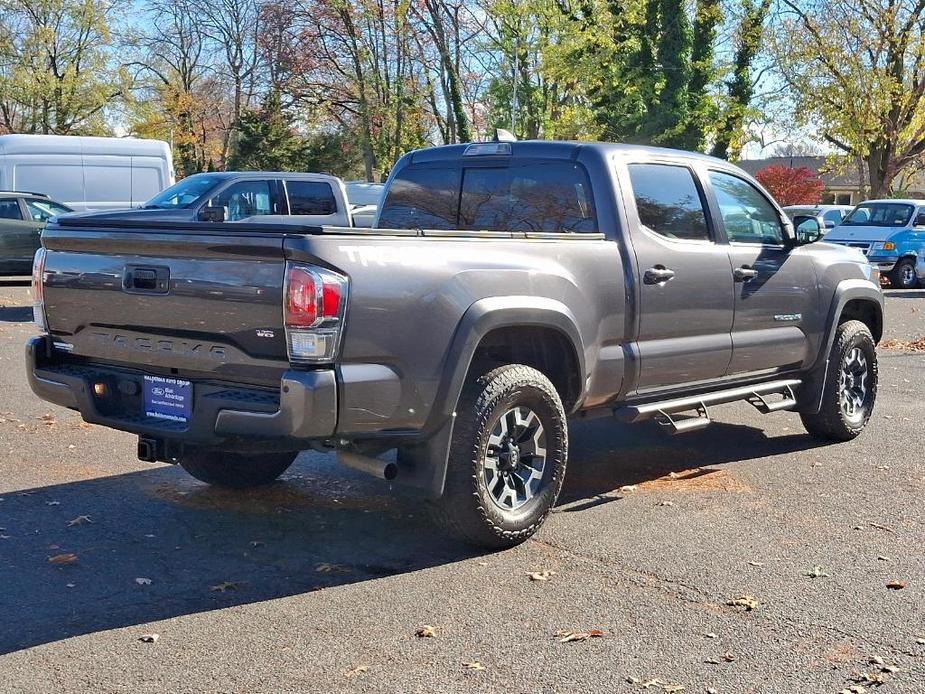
x,y
845,292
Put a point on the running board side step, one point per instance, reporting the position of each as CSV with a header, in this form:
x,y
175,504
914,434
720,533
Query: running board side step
x,y
756,395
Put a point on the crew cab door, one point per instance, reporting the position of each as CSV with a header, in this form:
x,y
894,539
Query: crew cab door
x,y
19,237
775,288
685,288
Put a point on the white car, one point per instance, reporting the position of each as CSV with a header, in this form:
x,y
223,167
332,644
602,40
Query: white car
x,y
829,216
364,198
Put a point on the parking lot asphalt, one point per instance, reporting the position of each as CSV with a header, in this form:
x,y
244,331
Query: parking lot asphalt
x,y
742,558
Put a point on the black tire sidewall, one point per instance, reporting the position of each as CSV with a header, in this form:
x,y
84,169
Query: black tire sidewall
x,y
856,336
550,414
896,275
235,470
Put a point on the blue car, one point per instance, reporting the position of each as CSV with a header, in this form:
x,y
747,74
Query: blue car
x,y
891,233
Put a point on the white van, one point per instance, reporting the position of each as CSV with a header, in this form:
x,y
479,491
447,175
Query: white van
x,y
86,173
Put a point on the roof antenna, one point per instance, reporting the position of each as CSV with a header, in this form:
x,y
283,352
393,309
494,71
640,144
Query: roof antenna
x,y
502,135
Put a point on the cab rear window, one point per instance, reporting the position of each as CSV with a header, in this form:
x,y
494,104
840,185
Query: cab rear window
x,y
527,197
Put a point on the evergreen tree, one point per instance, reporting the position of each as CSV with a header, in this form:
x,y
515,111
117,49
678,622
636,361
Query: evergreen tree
x,y
267,140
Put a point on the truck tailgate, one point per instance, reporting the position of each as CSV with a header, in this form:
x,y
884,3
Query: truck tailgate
x,y
187,303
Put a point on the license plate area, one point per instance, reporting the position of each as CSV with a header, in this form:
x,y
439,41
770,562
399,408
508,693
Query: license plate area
x,y
167,398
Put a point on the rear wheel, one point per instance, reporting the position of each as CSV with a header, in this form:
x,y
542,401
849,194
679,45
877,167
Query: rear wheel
x,y
235,470
903,275
850,385
507,458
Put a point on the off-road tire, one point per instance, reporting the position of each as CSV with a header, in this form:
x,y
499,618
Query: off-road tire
x,y
466,510
831,422
903,275
235,470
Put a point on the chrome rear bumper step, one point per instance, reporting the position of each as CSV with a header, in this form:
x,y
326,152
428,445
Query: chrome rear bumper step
x,y
756,395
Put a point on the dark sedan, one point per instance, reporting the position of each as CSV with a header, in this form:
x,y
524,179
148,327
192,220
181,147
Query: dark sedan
x,y
22,218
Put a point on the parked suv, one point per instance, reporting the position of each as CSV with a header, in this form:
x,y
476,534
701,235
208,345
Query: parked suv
x,y
508,286
22,218
828,216
891,233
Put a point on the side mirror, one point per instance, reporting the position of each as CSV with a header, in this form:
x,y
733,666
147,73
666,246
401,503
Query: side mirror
x,y
920,220
808,229
211,213
829,224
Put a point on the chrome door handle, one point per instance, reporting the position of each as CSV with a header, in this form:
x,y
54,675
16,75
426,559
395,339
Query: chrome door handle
x,y
744,273
657,275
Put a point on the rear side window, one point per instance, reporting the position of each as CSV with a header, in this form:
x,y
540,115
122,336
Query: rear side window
x,y
668,201
422,198
9,209
551,197
310,197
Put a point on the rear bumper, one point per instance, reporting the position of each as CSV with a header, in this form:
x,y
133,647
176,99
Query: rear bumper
x,y
304,408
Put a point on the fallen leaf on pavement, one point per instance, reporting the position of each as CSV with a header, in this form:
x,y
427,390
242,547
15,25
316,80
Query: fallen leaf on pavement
x,y
746,601
569,636
80,520
756,563
673,688
920,642
60,559
729,657
326,568
817,572
474,665
143,581
358,670
666,503
870,678
541,575
628,488
895,585
225,586
652,683
426,632
710,635
883,558
149,638
711,661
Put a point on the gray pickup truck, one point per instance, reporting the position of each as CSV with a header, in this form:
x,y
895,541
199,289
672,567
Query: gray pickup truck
x,y
506,287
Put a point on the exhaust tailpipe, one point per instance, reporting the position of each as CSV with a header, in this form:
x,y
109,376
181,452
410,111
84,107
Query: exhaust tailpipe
x,y
383,469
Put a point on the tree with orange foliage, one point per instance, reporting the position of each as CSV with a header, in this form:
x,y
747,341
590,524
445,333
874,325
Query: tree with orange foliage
x,y
789,186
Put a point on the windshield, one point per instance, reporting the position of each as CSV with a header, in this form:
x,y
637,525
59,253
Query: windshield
x,y
879,214
183,194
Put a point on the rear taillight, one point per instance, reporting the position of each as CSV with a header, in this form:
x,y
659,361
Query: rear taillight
x,y
38,289
314,312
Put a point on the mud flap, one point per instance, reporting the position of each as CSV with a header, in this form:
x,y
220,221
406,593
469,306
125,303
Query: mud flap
x,y
810,394
423,465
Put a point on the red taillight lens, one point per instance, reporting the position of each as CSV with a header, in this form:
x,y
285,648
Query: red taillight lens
x,y
315,304
38,275
302,298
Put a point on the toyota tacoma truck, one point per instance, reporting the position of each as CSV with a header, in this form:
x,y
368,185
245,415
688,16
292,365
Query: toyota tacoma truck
x,y
506,287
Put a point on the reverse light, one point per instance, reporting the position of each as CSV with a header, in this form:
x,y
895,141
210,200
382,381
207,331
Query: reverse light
x,y
314,312
38,289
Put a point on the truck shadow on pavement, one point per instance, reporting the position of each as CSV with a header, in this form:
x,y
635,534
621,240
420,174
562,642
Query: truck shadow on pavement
x,y
134,548
16,314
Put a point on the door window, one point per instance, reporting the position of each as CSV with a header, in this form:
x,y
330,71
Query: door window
x,y
245,199
668,201
310,197
9,209
43,210
747,214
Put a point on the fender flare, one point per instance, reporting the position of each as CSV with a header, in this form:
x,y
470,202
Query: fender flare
x,y
847,290
428,459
